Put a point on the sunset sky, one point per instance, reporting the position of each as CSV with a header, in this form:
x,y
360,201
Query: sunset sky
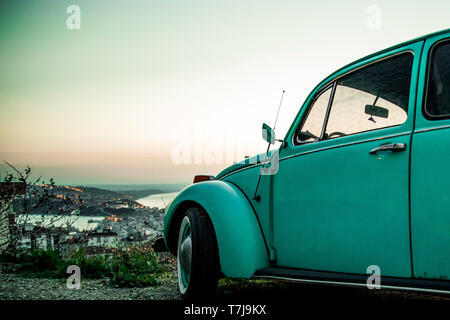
x,y
157,91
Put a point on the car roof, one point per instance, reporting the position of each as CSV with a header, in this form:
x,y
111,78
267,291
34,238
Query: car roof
x,y
392,48
353,63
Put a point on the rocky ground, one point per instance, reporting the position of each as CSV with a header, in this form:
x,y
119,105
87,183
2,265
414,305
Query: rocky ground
x,y
14,287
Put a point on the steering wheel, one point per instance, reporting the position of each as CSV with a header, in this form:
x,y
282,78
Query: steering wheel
x,y
336,133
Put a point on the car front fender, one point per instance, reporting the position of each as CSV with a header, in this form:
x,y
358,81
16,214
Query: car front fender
x,y
241,245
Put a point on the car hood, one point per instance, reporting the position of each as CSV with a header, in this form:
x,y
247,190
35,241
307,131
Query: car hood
x,y
247,162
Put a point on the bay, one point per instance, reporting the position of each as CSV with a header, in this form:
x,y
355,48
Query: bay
x,y
157,200
81,222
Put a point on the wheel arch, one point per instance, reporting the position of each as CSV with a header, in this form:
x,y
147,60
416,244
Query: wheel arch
x,y
240,242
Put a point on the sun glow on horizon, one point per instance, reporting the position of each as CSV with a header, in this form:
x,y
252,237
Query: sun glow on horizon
x,y
110,103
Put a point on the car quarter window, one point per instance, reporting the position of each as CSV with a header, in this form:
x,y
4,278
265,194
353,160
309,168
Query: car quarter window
x,y
438,92
373,97
312,126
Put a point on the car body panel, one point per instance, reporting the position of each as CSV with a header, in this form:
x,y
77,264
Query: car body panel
x,y
241,245
345,218
430,186
247,181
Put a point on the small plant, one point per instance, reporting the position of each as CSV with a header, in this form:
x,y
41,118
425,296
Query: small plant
x,y
39,263
135,267
131,266
92,267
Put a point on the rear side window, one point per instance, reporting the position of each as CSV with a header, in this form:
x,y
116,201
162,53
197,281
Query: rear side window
x,y
374,97
438,90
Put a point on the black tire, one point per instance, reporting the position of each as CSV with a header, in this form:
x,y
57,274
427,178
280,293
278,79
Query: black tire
x,y
204,263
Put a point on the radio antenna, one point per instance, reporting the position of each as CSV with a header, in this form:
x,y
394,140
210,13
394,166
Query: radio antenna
x,y
278,112
255,196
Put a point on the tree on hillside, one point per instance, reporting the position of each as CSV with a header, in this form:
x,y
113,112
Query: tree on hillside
x,y
20,197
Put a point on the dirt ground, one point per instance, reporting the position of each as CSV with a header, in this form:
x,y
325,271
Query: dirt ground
x,y
14,287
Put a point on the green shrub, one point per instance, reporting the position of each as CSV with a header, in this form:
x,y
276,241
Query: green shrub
x,y
135,267
39,259
91,267
38,263
7,257
126,267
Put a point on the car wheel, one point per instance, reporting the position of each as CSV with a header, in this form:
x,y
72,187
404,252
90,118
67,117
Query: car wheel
x,y
197,256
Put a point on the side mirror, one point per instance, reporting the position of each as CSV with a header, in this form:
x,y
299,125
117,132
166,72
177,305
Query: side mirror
x,y
268,134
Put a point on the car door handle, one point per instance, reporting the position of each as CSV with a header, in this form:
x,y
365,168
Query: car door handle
x,y
394,147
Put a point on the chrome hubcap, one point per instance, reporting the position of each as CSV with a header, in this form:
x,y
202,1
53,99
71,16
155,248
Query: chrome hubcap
x,y
186,255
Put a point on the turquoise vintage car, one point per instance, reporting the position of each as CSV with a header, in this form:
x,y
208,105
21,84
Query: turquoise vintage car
x,y
361,182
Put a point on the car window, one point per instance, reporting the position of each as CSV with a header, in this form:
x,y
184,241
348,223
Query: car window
x,y
312,127
374,97
438,93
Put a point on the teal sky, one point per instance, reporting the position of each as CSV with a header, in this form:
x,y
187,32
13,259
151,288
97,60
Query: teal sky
x,y
110,103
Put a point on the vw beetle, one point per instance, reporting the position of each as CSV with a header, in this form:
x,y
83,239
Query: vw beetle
x,y
360,182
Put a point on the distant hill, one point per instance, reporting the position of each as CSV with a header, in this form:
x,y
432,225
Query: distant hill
x,y
95,192
125,188
127,194
137,194
92,201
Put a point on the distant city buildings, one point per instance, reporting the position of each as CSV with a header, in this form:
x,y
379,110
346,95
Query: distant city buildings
x,y
125,221
102,239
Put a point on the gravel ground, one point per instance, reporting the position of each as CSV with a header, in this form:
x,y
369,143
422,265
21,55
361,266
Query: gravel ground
x,y
14,287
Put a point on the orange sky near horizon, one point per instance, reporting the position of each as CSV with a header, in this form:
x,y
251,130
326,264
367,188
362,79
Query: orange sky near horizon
x,y
118,100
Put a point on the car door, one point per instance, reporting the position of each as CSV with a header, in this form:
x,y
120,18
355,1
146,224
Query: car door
x,y
430,164
340,197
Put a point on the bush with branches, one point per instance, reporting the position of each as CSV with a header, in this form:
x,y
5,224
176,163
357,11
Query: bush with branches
x,y
25,200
